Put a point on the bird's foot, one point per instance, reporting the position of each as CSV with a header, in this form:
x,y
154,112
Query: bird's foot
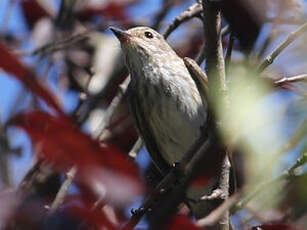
x,y
216,194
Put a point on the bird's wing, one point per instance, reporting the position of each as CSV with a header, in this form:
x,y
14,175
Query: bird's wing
x,y
199,77
145,131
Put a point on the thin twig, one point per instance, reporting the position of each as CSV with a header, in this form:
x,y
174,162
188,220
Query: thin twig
x,y
296,138
167,5
293,35
201,55
229,52
136,148
297,78
289,21
83,111
225,30
215,68
63,190
273,31
193,11
57,45
268,41
291,143
115,103
216,214
286,175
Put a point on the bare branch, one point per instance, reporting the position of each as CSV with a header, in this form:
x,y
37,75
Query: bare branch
x,y
218,213
290,20
84,109
115,103
57,45
193,11
270,59
215,68
292,142
63,190
273,31
286,175
136,148
297,78
201,56
215,194
167,5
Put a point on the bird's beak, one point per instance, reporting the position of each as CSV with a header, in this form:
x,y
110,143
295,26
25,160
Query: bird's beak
x,y
122,35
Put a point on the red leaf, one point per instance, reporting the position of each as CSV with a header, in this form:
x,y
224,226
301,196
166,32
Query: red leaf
x,y
33,11
69,145
276,227
12,65
182,223
101,169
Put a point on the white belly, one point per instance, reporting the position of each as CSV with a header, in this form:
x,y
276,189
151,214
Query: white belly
x,y
176,131
176,111
175,123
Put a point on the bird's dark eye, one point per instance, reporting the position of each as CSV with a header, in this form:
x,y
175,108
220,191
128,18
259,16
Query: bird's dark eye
x,y
148,34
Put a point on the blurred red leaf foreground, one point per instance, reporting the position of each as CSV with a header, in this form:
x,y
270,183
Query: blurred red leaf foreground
x,y
103,170
12,65
33,11
83,210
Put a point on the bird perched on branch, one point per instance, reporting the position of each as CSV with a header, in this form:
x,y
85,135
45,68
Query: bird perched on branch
x,y
166,103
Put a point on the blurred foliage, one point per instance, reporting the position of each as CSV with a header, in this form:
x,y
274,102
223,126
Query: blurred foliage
x,y
69,51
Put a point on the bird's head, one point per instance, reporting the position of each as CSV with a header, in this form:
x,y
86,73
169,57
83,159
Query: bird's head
x,y
143,42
